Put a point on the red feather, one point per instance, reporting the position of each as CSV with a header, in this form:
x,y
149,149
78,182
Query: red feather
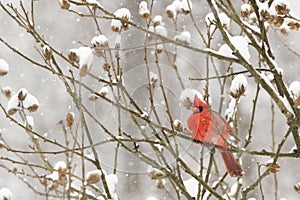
x,y
209,127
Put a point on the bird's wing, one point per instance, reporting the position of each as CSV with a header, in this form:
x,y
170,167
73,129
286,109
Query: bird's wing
x,y
223,126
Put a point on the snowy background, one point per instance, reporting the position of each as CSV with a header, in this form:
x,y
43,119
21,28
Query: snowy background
x,y
65,30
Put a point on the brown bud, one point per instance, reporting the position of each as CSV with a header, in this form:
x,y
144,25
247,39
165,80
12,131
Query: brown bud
x,y
6,91
70,118
64,4
47,52
93,177
160,184
106,67
177,125
282,9
170,13
284,31
297,102
297,187
278,21
271,19
22,94
43,181
275,167
52,185
265,14
73,57
294,26
156,175
33,107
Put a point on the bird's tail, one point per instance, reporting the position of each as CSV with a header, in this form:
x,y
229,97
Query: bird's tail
x,y
233,167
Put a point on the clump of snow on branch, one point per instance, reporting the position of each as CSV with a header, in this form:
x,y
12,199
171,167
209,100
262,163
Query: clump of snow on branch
x,y
22,100
186,6
144,12
94,3
230,111
295,89
187,97
238,86
4,67
177,7
158,145
159,30
237,89
5,194
29,123
184,37
83,56
112,181
99,44
103,91
191,186
152,198
240,44
116,24
173,9
177,124
233,190
157,20
210,20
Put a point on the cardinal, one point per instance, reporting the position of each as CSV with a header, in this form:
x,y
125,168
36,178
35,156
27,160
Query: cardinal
x,y
209,127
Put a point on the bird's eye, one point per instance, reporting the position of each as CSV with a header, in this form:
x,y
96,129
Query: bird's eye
x,y
200,108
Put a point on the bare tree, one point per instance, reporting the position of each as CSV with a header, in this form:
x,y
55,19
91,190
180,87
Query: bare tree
x,y
123,81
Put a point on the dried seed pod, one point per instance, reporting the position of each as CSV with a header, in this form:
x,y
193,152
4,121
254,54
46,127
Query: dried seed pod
x,y
282,9
103,91
275,167
73,57
160,184
297,187
47,52
294,26
155,173
70,118
22,94
246,10
159,48
278,21
178,125
106,67
297,102
284,30
93,177
238,86
186,6
157,20
117,25
6,91
144,12
64,4
4,67
61,169
5,194
92,97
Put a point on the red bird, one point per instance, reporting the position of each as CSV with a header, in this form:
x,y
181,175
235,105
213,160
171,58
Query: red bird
x,y
209,127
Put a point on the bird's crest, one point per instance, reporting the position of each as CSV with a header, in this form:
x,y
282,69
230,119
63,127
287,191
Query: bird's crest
x,y
198,101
